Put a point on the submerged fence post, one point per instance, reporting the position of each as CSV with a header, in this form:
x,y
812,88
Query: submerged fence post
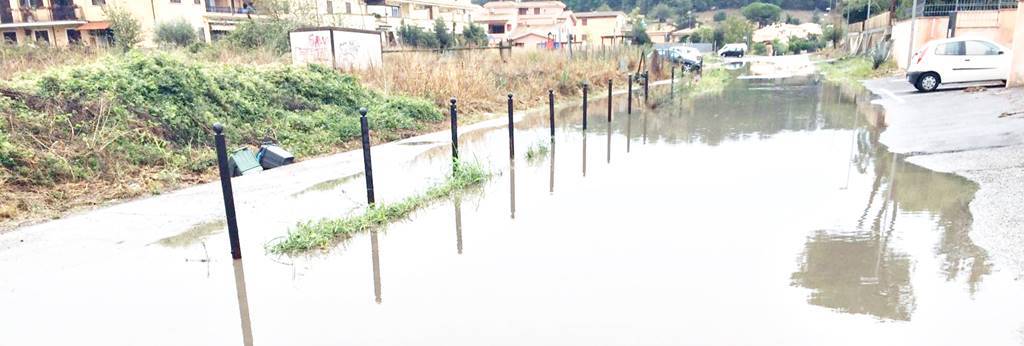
x,y
609,100
585,87
454,112
551,110
511,131
225,185
629,99
367,165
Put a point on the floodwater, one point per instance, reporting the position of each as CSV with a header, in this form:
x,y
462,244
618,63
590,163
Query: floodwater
x,y
768,214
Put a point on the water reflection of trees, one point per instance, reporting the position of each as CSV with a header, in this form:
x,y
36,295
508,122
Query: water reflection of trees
x,y
857,271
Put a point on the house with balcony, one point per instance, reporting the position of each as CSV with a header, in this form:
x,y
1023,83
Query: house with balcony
x,y
598,28
387,16
527,24
52,22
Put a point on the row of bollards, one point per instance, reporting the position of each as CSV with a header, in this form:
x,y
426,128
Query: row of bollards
x,y
225,169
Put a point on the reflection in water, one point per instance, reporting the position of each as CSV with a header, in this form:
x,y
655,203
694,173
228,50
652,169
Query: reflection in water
x,y
645,127
458,222
375,254
512,186
609,132
857,270
584,153
243,302
551,180
629,130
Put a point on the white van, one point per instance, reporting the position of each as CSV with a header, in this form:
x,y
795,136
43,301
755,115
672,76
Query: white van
x,y
958,60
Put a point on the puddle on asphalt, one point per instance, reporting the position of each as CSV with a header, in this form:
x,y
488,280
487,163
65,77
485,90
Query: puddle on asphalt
x,y
194,234
769,208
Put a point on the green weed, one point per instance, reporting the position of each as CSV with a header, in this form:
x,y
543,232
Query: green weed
x,y
321,234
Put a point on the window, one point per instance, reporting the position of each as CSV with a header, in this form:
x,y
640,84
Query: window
x,y
104,2
495,29
952,48
584,22
523,10
330,7
43,37
74,36
395,12
31,3
980,48
348,7
536,10
10,37
175,1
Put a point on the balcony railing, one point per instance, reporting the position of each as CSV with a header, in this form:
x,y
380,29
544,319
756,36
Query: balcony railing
x,y
225,9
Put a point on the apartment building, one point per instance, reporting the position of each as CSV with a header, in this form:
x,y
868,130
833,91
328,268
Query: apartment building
x,y
527,24
63,22
387,16
601,27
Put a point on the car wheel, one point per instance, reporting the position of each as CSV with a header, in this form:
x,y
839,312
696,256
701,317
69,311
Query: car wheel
x,y
927,82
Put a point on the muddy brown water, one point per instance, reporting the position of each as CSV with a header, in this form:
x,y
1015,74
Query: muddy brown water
x,y
768,214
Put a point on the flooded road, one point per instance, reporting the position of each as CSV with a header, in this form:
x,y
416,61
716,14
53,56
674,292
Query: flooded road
x,y
768,214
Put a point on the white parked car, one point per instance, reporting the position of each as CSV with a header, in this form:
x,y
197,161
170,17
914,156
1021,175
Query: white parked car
x,y
958,60
688,53
733,49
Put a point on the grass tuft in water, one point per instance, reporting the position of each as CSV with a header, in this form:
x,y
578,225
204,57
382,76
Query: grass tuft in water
x,y
537,151
321,234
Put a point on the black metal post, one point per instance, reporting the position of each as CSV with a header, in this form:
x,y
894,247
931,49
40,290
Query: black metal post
x,y
551,110
225,185
454,112
511,131
629,99
367,165
609,100
646,80
672,87
585,87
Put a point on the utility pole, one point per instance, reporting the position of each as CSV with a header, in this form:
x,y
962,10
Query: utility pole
x,y
913,20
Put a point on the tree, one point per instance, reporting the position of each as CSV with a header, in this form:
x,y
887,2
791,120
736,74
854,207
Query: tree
x,y
833,33
126,28
416,37
178,33
703,34
474,34
661,12
761,13
737,30
444,38
719,16
792,20
639,33
816,17
857,10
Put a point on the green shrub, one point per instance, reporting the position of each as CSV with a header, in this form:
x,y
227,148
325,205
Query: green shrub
x,y
719,16
177,33
416,37
263,33
474,35
759,48
126,28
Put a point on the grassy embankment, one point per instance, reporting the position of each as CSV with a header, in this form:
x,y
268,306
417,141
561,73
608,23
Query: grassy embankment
x,y
111,126
849,71
321,234
133,124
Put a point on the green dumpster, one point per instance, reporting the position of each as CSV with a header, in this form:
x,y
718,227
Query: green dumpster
x,y
243,162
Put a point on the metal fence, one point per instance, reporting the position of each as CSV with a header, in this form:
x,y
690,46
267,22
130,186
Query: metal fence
x,y
942,8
